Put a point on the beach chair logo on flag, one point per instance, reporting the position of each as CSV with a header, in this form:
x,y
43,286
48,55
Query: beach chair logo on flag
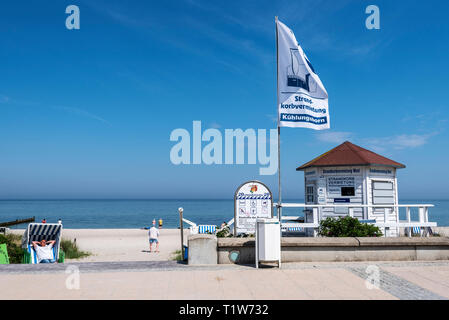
x,y
297,73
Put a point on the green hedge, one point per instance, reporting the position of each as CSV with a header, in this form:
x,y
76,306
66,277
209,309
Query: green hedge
x,y
347,227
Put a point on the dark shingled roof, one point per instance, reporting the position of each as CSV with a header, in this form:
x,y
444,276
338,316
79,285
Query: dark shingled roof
x,y
348,154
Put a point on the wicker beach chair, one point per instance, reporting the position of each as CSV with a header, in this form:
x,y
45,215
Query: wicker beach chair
x,y
293,229
422,231
205,228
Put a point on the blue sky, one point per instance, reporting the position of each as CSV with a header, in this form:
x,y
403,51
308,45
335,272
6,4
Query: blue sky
x,y
88,113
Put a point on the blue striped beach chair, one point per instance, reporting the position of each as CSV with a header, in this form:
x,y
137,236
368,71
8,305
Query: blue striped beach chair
x,y
38,232
294,229
204,228
416,230
426,231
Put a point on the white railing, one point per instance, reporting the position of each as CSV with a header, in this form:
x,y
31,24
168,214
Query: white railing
x,y
194,227
317,208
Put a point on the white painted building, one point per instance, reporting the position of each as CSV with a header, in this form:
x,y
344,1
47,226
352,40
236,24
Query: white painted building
x,y
349,174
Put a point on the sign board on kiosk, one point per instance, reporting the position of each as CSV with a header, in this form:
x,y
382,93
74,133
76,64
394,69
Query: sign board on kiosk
x,y
252,200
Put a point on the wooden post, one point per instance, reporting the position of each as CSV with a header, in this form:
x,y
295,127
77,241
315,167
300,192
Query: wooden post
x,y
182,232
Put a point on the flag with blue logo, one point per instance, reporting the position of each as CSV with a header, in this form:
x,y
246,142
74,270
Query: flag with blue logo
x,y
303,100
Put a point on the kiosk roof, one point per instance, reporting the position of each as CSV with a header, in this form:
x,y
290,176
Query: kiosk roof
x,y
348,154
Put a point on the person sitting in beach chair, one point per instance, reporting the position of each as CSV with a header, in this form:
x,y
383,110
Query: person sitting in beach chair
x,y
44,251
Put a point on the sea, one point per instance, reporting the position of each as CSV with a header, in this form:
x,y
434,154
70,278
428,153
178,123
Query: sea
x,y
111,214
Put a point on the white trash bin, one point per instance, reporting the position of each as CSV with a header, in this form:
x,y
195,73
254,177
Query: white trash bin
x,y
268,241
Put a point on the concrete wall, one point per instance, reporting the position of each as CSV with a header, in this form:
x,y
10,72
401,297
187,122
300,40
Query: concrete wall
x,y
202,249
339,249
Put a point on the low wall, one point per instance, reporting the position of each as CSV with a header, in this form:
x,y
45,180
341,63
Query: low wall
x,y
202,249
242,250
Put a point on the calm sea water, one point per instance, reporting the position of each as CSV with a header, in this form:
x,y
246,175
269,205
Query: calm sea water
x,y
140,213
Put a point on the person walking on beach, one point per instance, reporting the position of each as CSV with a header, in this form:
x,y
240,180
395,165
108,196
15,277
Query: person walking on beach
x,y
154,238
160,223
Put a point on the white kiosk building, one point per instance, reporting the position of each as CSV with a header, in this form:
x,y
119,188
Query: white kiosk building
x,y
350,175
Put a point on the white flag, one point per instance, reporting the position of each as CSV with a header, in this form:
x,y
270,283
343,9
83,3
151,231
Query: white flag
x,y
303,100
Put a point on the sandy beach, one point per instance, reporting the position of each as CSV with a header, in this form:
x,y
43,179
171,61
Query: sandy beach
x,y
122,244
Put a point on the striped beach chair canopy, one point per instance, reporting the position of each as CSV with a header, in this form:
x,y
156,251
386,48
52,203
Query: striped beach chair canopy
x,y
42,231
207,228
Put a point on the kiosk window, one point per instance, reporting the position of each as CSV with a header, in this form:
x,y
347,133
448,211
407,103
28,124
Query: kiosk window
x,y
348,191
309,194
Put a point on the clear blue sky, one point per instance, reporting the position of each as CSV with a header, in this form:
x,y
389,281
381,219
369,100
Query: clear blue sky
x,y
88,113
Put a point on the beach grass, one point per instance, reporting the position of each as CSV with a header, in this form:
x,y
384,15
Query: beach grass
x,y
176,255
72,251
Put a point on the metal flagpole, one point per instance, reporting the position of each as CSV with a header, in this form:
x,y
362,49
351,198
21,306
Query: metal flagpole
x,y
279,128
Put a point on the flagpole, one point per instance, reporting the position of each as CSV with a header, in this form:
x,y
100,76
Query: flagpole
x,y
279,127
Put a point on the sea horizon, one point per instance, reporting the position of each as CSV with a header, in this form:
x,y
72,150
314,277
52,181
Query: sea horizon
x,y
138,213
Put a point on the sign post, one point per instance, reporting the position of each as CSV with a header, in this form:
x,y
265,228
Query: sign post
x,y
182,231
252,200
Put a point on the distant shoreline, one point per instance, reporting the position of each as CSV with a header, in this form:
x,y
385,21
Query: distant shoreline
x,y
125,213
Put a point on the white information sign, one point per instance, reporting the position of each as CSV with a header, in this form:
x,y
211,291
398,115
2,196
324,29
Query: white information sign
x,y
252,200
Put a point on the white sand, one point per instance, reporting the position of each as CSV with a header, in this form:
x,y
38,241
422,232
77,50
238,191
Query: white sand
x,y
123,244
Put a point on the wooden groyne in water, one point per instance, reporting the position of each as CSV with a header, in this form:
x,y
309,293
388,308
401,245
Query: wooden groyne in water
x,y
17,221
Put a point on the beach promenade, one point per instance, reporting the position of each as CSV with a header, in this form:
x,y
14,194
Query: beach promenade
x,y
171,280
121,267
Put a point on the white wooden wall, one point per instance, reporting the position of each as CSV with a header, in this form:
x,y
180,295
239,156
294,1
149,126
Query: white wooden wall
x,y
363,184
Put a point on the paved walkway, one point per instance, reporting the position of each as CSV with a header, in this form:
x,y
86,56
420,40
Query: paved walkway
x,y
172,280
